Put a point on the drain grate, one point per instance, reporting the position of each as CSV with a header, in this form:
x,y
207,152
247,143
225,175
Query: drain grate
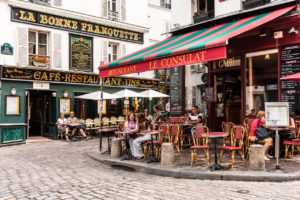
x,y
243,191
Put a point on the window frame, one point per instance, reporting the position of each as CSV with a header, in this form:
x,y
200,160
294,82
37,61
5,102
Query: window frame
x,y
36,44
111,51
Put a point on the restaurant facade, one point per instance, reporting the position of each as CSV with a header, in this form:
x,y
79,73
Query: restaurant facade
x,y
236,62
49,55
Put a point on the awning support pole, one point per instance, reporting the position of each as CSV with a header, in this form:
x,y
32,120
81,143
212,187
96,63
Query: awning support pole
x,y
100,113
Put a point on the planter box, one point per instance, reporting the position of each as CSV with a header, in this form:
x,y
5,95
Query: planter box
x,y
40,64
248,4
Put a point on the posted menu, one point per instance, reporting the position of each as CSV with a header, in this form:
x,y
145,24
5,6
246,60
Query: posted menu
x,y
176,78
290,64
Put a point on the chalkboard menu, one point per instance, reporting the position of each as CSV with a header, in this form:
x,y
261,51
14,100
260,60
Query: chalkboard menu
x,y
176,90
81,53
209,94
290,64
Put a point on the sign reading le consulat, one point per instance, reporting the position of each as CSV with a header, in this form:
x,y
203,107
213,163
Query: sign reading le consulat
x,y
74,25
29,74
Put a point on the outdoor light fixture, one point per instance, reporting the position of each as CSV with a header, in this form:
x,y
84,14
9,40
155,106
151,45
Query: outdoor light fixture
x,y
65,94
293,30
267,57
54,94
13,91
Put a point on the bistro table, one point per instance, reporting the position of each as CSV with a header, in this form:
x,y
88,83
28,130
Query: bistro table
x,y
126,155
105,130
214,136
151,132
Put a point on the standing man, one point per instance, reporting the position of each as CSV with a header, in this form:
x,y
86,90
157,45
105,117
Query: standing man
x,y
73,120
168,108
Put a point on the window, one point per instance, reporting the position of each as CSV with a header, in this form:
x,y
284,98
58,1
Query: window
x,y
165,3
112,52
262,80
38,44
43,2
112,10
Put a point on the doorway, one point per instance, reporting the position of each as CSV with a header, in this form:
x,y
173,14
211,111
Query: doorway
x,y
41,111
228,92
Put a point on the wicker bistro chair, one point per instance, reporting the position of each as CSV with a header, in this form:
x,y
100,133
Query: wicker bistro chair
x,y
200,143
105,122
174,137
294,143
95,126
237,144
89,124
227,127
113,122
247,139
174,120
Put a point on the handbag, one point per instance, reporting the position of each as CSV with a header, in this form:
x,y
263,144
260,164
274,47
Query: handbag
x,y
261,132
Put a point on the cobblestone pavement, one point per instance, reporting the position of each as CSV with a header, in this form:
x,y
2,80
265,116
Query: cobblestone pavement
x,y
60,170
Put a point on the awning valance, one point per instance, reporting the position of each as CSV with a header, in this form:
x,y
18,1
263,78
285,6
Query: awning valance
x,y
194,47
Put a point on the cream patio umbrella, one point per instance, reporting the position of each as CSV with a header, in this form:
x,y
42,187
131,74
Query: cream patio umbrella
x,y
153,94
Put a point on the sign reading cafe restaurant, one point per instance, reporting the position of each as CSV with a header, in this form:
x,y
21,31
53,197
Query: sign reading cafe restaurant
x,y
74,25
29,74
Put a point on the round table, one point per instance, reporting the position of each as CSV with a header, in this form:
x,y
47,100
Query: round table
x,y
151,132
105,130
214,136
73,125
126,155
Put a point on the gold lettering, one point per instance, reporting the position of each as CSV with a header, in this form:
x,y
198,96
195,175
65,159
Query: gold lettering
x,y
104,30
90,80
37,75
68,78
57,76
131,34
136,37
175,59
83,25
116,33
51,76
31,17
97,29
85,78
74,25
67,23
126,34
23,17
44,19
121,34
73,78
44,76
79,78
59,22
51,20
119,81
90,29
110,32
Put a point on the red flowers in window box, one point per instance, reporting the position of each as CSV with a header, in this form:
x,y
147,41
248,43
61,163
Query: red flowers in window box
x,y
40,59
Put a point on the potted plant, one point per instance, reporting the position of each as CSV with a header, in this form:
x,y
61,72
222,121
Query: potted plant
x,y
41,61
200,15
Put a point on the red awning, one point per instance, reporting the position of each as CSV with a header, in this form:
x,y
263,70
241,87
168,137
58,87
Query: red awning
x,y
189,48
294,77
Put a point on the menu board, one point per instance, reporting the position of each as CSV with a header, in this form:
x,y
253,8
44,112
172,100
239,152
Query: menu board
x,y
277,114
176,90
290,64
81,53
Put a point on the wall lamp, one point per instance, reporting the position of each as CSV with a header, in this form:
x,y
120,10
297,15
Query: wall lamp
x,y
13,91
54,94
265,32
65,94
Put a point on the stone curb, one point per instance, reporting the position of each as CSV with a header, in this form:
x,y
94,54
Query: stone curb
x,y
194,173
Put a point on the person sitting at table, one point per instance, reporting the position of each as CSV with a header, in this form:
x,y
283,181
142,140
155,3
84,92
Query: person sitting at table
x,y
62,123
268,142
157,117
73,120
131,125
195,118
290,133
147,115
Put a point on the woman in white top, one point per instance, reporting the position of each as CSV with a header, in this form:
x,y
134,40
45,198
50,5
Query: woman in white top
x,y
62,125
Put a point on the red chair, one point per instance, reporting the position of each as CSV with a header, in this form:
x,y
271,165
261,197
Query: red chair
x,y
200,143
295,142
238,133
227,127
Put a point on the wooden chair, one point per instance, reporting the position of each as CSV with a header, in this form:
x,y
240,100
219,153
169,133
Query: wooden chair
x,y
246,139
227,127
237,144
113,122
204,123
294,143
174,137
200,143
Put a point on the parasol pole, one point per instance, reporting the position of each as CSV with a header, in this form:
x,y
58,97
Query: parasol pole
x,y
100,113
150,101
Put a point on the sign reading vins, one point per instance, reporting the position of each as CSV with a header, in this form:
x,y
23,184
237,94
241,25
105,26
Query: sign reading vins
x,y
29,74
74,25
81,53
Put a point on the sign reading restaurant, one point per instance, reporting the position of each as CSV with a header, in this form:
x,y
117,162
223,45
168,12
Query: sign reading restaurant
x,y
74,25
30,74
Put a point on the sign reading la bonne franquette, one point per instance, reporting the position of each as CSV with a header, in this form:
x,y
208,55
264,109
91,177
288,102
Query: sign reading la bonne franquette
x,y
74,25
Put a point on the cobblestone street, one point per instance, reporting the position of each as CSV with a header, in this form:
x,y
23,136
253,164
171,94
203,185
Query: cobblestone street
x,y
60,170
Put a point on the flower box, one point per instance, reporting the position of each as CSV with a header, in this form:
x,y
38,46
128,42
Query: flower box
x,y
39,64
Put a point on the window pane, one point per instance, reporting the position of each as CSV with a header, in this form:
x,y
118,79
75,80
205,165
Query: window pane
x,y
262,79
32,37
43,50
113,5
32,49
42,38
115,49
115,57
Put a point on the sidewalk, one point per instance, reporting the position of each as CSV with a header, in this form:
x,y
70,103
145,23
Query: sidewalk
x,y
182,169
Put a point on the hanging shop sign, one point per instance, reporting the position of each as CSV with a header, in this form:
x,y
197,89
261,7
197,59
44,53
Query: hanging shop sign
x,y
74,25
29,74
7,49
230,62
81,53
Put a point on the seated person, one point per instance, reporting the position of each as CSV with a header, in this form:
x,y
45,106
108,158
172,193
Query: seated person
x,y
268,142
147,115
290,133
62,125
73,120
195,118
157,117
130,125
